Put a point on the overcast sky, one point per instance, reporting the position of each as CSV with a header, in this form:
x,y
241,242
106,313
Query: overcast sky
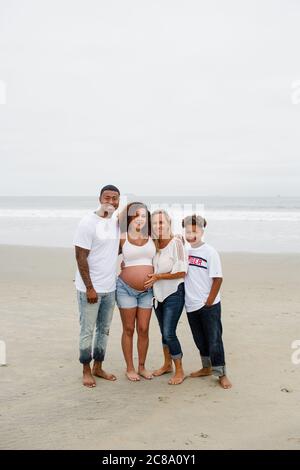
x,y
157,96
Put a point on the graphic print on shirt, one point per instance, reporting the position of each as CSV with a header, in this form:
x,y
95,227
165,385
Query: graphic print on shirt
x,y
197,261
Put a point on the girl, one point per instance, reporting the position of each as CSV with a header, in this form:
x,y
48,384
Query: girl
x,y
133,299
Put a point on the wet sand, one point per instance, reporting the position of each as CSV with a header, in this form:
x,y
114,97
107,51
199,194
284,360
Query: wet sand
x,y
44,406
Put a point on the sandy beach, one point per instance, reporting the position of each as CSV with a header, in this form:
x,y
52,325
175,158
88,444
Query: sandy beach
x,y
44,406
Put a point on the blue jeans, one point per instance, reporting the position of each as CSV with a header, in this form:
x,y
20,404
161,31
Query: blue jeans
x,y
207,331
168,313
91,316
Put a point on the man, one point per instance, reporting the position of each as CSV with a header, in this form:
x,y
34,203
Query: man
x,y
96,245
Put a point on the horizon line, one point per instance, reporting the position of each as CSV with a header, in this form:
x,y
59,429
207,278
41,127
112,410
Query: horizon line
x,y
150,196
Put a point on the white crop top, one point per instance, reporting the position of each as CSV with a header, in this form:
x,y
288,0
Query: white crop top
x,y
134,255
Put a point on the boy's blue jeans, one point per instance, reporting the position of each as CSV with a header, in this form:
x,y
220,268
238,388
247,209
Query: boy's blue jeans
x,y
207,331
91,316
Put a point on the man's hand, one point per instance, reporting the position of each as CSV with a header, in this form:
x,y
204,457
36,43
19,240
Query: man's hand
x,y
91,295
209,302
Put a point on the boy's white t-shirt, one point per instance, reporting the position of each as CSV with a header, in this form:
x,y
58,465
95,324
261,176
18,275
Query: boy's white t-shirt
x,y
204,264
101,236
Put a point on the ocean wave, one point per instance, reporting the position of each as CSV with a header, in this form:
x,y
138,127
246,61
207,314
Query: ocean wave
x,y
43,213
267,216
211,215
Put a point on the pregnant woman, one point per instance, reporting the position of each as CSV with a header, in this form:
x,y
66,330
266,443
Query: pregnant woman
x,y
133,298
170,263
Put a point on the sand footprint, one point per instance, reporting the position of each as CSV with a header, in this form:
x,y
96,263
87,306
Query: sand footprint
x,y
163,399
295,440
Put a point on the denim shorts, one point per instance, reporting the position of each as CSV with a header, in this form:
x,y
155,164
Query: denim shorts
x,y
127,297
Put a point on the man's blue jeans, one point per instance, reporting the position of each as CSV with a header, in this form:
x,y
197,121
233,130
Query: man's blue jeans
x,y
91,316
168,313
207,331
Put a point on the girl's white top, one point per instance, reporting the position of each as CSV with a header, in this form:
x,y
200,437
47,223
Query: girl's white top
x,y
134,255
171,259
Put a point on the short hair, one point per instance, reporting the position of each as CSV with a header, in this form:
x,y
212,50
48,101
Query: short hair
x,y
109,187
195,220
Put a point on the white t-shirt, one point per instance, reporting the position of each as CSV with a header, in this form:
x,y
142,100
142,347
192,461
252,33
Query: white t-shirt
x,y
171,259
204,264
101,236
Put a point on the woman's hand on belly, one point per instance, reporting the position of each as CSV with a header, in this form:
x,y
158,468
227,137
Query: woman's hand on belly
x,y
136,276
151,279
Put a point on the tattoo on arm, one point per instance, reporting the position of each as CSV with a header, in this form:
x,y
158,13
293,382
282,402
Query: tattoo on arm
x,y
81,258
122,241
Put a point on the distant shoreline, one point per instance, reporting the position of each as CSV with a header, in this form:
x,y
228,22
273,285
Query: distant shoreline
x,y
65,248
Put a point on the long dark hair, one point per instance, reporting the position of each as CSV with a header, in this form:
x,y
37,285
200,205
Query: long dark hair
x,y
129,213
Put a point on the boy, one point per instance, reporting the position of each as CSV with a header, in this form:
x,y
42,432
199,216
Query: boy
x,y
202,300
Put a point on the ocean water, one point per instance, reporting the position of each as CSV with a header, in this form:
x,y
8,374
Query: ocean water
x,y
264,225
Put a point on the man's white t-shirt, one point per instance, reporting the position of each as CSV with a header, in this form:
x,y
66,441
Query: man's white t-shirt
x,y
101,236
204,264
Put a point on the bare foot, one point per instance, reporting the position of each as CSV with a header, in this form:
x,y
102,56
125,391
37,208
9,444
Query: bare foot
x,y
177,378
204,372
145,373
103,375
133,376
165,369
88,380
224,382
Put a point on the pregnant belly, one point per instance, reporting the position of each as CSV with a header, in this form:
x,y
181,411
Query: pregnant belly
x,y
135,276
